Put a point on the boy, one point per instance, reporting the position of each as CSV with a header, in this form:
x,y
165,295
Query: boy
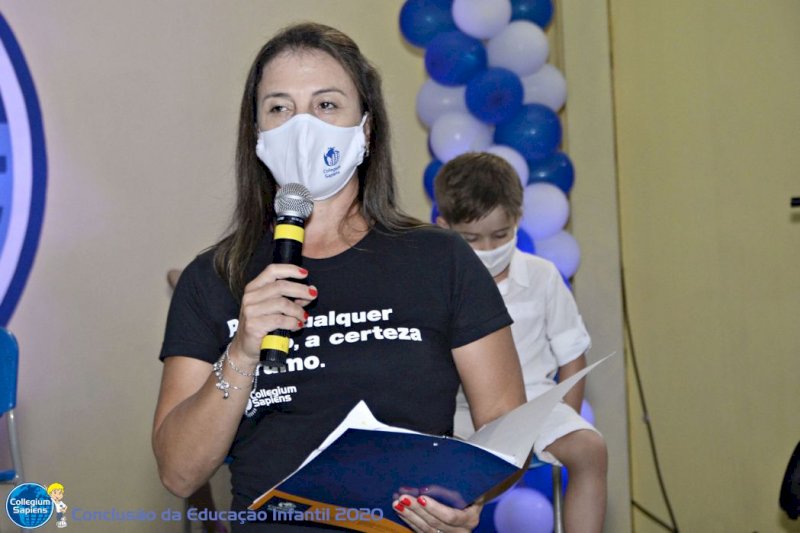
x,y
479,195
56,492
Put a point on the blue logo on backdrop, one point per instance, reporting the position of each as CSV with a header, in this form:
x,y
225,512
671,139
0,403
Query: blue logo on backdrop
x,y
23,172
29,506
332,156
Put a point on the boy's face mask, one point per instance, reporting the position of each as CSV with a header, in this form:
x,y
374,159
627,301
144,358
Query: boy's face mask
x,y
313,153
498,259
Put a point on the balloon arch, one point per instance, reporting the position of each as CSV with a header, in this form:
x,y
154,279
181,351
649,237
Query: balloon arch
x,y
491,89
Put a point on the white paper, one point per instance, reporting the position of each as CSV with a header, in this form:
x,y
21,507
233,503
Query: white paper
x,y
513,434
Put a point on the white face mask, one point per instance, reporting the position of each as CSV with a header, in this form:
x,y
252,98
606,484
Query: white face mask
x,y
498,259
313,153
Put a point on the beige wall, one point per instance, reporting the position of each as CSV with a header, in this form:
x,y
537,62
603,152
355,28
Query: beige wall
x,y
140,101
708,120
590,143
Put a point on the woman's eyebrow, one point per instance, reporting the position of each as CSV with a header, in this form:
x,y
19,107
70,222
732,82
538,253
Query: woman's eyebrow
x,y
329,90
281,94
276,94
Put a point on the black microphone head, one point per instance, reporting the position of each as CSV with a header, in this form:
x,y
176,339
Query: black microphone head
x,y
294,200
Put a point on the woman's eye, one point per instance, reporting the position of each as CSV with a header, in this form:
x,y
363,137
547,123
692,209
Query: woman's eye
x,y
327,106
277,109
501,235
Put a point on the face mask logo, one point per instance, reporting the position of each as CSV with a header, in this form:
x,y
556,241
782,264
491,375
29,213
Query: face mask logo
x,y
313,153
331,158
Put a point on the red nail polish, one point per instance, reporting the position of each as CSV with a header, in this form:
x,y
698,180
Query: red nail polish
x,y
299,324
406,502
303,271
305,316
400,507
422,501
312,291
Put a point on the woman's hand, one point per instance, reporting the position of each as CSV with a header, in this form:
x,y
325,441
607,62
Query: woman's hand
x,y
425,515
271,301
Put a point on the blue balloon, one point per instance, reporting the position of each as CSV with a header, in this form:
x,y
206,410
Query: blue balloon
x,y
540,478
422,20
494,95
523,509
537,11
534,132
556,169
453,58
524,241
430,173
434,213
587,413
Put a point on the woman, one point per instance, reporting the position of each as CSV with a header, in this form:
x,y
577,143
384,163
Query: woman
x,y
385,310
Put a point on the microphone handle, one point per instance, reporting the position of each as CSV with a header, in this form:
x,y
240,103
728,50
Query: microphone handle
x,y
288,249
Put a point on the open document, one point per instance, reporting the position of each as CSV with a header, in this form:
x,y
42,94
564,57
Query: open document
x,y
352,478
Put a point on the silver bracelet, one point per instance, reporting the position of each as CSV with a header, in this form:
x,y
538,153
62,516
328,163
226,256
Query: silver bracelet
x,y
235,368
221,384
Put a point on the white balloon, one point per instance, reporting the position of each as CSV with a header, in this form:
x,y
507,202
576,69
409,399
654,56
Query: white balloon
x,y
523,509
521,47
482,19
561,249
457,133
434,100
546,86
545,210
514,159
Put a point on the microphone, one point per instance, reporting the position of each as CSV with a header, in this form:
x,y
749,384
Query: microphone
x,y
293,206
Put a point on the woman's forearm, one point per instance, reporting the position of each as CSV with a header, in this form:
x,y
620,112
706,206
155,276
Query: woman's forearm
x,y
193,431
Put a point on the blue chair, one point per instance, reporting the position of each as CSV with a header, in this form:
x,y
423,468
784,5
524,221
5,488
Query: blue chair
x,y
9,366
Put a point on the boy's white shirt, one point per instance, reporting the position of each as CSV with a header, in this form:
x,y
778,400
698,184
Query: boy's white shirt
x,y
548,330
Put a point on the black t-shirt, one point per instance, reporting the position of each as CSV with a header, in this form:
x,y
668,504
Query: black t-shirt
x,y
388,314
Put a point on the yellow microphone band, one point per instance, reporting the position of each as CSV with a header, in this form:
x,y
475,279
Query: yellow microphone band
x,y
289,231
275,342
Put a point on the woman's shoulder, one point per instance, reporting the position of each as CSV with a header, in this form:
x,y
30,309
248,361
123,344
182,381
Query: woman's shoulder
x,y
203,261
426,240
200,270
426,245
423,234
